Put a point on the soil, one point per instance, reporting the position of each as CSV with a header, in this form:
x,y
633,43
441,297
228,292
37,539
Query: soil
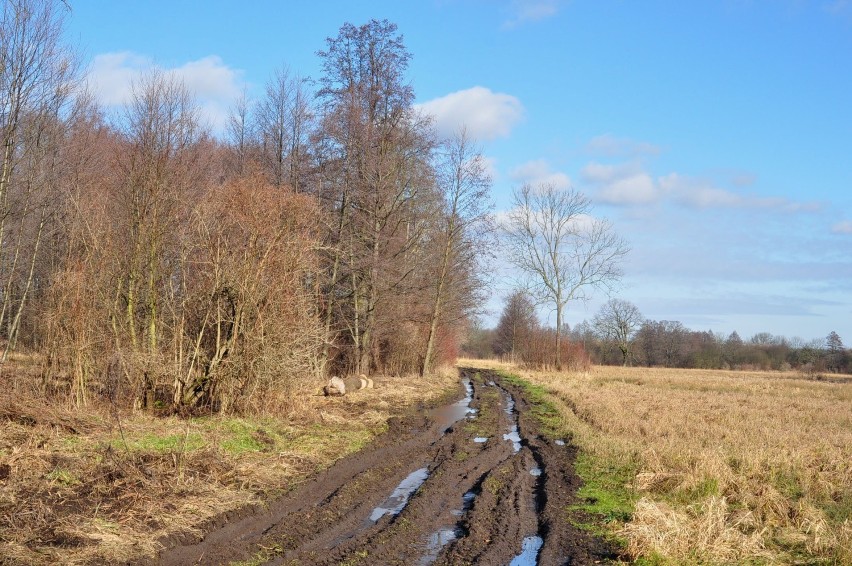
x,y
489,497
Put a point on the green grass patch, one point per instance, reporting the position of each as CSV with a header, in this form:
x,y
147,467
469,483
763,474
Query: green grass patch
x,y
604,493
62,477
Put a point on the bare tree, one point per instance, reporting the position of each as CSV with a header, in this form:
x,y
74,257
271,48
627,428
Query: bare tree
x,y
618,321
37,76
561,249
462,233
379,152
517,323
283,119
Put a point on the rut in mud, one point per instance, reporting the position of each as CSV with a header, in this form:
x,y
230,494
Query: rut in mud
x,y
470,483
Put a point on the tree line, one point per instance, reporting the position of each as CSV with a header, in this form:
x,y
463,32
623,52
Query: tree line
x,y
619,334
146,261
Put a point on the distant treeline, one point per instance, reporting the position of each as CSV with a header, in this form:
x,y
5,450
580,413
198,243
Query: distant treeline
x,y
619,335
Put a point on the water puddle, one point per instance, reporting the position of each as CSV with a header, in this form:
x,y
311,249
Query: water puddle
x,y
448,415
535,472
560,442
435,543
481,439
513,435
529,552
397,500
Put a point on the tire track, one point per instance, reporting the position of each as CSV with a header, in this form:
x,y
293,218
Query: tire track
x,y
480,502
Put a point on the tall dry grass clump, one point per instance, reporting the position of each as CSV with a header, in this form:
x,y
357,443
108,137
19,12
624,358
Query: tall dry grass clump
x,y
729,466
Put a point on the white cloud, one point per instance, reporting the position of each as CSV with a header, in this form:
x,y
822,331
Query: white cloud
x,y
526,11
607,145
215,85
629,184
701,193
844,227
622,184
538,172
486,114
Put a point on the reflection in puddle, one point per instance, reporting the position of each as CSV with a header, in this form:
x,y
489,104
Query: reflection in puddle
x,y
436,542
535,472
480,439
448,415
560,442
529,552
514,437
467,503
397,500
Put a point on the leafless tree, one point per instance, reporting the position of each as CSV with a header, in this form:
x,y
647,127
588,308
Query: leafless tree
x,y
462,234
37,75
379,154
283,122
517,323
618,321
562,250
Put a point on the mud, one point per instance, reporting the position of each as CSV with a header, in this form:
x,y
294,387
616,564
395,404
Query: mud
x,y
429,491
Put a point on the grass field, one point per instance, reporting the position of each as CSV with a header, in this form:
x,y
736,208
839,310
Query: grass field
x,y
711,467
82,487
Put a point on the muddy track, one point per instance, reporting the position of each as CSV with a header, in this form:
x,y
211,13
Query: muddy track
x,y
470,483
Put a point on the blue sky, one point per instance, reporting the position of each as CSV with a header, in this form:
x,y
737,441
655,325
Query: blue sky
x,y
715,135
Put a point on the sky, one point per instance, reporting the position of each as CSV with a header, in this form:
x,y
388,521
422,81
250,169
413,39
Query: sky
x,y
715,135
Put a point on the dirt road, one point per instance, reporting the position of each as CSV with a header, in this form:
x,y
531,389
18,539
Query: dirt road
x,y
469,483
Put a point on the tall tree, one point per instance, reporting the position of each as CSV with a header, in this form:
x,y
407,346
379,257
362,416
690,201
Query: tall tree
x,y
561,249
379,151
284,121
37,75
461,237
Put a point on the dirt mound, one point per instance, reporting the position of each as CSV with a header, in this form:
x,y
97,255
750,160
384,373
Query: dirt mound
x,y
472,483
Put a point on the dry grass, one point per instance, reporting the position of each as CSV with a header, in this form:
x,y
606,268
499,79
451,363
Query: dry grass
x,y
96,487
730,467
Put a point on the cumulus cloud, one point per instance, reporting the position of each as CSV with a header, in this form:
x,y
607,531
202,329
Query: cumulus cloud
x,y
215,85
528,11
608,145
487,115
844,227
539,172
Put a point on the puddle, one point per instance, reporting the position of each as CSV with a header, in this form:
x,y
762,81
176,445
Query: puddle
x,y
397,500
514,437
560,442
481,439
448,415
435,543
491,384
529,552
535,472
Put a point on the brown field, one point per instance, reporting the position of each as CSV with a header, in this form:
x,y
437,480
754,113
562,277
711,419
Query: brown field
x,y
727,467
80,487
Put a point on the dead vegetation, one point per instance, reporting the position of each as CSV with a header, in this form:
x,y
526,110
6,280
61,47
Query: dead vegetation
x,y
109,487
727,467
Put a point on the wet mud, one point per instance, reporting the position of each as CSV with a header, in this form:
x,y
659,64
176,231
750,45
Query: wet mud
x,y
468,483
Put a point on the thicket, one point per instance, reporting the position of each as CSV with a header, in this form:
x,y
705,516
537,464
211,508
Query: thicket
x,y
145,261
